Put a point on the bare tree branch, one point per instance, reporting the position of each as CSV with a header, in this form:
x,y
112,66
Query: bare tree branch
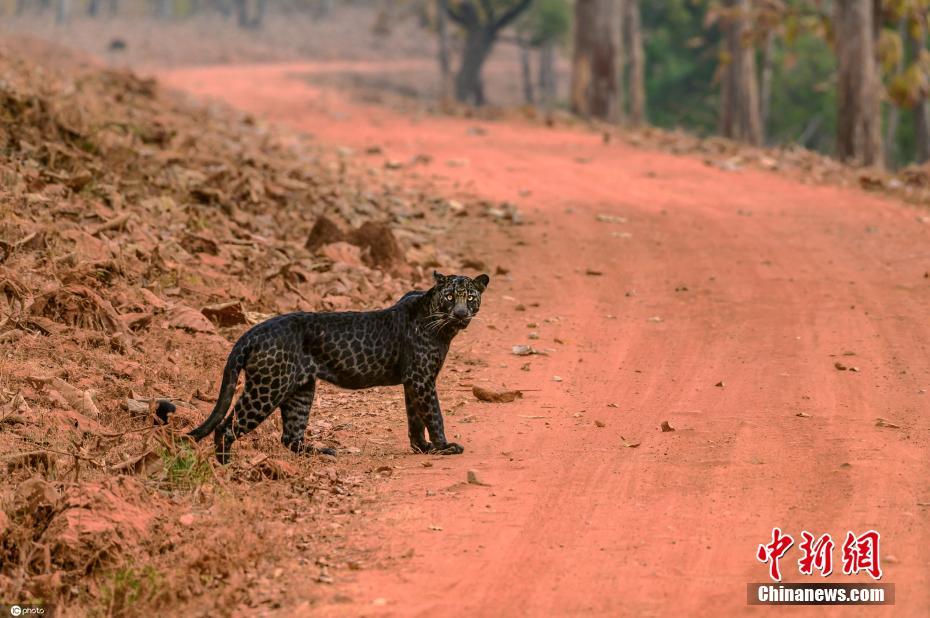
x,y
511,14
488,6
454,15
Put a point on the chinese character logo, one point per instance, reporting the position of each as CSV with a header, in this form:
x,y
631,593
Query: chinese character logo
x,y
861,554
817,554
774,551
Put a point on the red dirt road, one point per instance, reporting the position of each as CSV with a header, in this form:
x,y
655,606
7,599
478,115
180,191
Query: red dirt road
x,y
744,278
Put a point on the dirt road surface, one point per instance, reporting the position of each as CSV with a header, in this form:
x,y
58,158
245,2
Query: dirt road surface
x,y
720,302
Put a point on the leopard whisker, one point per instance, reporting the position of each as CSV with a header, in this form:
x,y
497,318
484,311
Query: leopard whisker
x,y
440,324
435,325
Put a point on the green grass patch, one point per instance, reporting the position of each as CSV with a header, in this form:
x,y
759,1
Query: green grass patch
x,y
184,467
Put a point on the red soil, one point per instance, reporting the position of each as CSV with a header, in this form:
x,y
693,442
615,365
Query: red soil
x,y
742,278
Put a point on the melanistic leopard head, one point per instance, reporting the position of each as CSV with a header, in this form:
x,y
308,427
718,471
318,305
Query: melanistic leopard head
x,y
457,297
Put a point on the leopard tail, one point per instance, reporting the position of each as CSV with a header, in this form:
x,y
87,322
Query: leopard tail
x,y
234,364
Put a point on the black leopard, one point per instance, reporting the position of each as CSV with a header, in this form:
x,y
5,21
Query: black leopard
x,y
404,344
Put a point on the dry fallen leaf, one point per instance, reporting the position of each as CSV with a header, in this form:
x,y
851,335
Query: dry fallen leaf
x,y
230,313
189,319
81,401
343,253
666,427
484,394
146,463
880,422
78,305
627,443
472,477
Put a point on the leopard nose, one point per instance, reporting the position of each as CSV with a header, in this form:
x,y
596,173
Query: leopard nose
x,y
460,312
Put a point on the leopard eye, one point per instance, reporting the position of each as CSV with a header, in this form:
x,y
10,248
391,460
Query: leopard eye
x,y
449,297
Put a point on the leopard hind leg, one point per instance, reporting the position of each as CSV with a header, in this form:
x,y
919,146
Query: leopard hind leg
x,y
295,414
257,402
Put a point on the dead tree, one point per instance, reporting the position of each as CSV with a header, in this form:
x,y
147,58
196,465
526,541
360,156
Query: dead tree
x,y
482,24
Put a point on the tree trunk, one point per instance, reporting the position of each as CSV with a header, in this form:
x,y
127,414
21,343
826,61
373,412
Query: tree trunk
x,y
894,112
324,8
859,130
469,87
637,75
93,8
526,71
62,11
922,128
921,108
445,65
547,84
739,98
618,10
242,13
246,17
596,86
166,9
482,25
765,94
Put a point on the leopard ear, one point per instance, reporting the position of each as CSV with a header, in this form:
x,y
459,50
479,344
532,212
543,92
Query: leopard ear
x,y
439,277
481,282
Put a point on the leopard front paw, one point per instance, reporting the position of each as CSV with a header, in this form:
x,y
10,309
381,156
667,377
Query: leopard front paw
x,y
423,448
449,448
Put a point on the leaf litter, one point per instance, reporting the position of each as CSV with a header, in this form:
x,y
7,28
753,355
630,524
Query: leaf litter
x,y
139,237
